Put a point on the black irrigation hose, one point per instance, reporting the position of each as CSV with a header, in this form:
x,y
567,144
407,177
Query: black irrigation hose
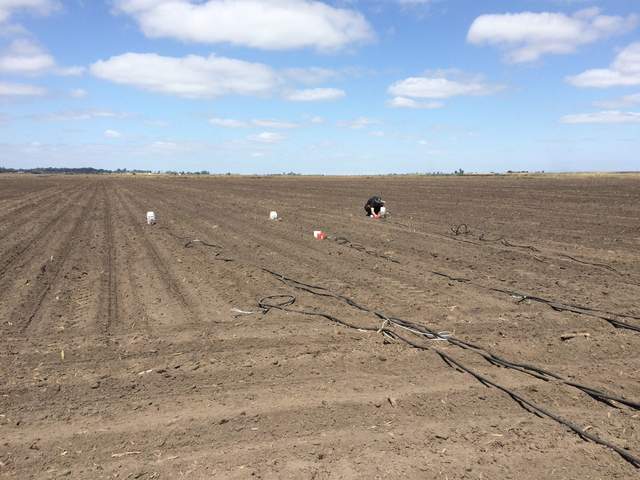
x,y
432,234
488,356
283,301
545,375
532,370
451,277
601,265
555,305
166,229
527,404
192,243
341,240
448,359
579,309
506,243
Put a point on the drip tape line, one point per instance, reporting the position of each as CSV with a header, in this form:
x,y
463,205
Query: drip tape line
x,y
558,306
506,243
452,362
525,368
344,241
192,243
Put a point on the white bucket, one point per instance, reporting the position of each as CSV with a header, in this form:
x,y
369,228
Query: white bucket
x,y
151,218
319,235
273,215
383,211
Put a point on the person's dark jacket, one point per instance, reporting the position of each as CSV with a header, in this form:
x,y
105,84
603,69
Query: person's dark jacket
x,y
373,205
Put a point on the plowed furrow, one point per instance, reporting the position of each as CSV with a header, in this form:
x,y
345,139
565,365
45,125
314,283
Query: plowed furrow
x,y
14,254
31,209
28,311
182,311
109,299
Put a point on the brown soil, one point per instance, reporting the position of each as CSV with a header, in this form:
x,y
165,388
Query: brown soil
x,y
121,355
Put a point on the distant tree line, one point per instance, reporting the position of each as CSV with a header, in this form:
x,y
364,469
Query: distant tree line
x,y
124,170
201,172
51,170
92,171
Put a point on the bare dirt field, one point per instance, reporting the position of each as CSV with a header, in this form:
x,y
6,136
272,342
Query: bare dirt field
x,y
124,352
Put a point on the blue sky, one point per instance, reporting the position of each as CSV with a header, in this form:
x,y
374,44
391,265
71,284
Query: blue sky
x,y
335,87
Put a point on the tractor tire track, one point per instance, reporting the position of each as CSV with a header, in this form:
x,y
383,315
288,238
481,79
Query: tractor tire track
x,y
167,278
15,252
129,313
77,309
11,205
13,217
49,278
109,291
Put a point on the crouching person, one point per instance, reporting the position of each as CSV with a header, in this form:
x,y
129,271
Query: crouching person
x,y
374,207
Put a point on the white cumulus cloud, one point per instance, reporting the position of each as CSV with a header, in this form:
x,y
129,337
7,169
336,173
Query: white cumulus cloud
x,y
310,75
227,123
112,134
404,102
21,90
69,71
78,115
271,25
606,116
622,102
315,95
267,137
438,87
41,7
273,124
263,123
192,76
357,123
78,93
25,57
624,71
414,2
527,36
